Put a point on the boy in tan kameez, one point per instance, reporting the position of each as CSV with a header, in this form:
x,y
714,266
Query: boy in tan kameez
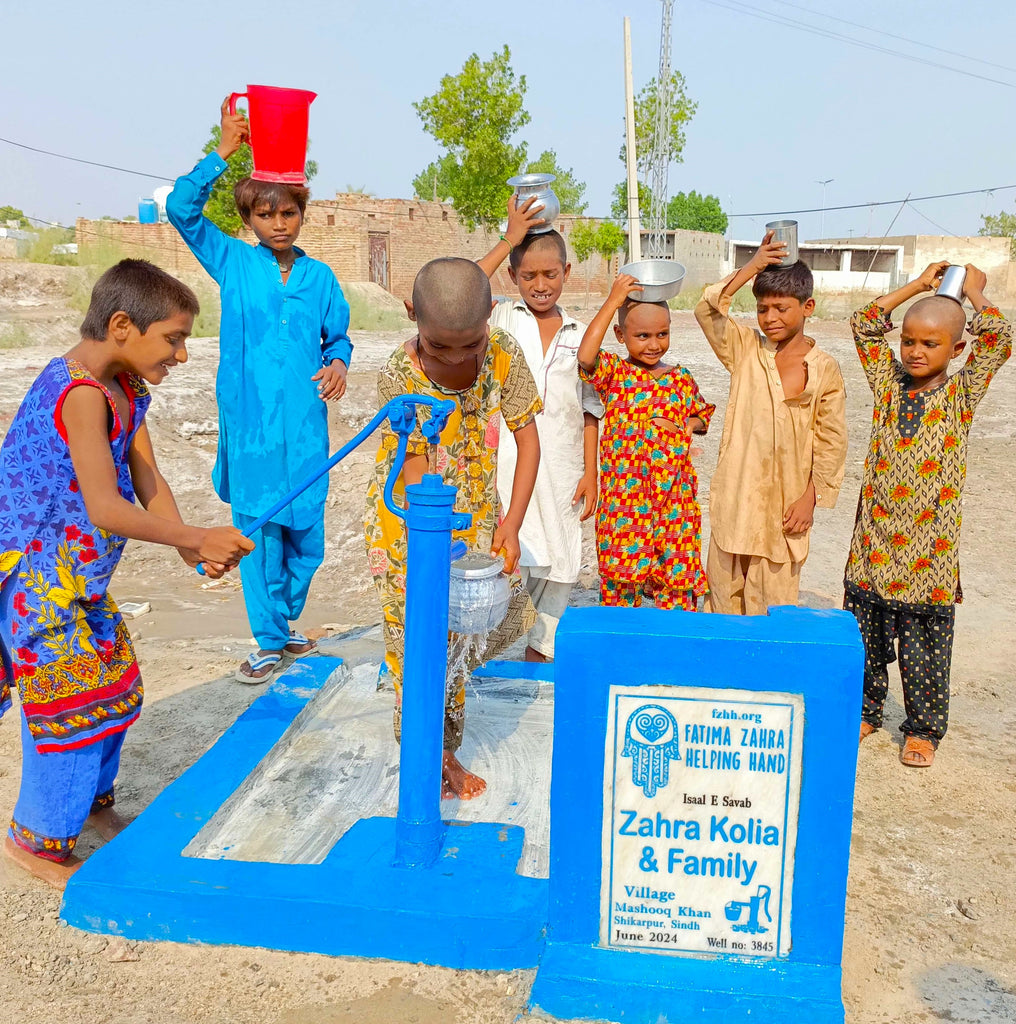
x,y
784,441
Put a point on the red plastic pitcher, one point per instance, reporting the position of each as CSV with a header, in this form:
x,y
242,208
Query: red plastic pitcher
x,y
278,131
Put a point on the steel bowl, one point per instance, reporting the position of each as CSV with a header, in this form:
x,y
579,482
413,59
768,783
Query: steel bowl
x,y
660,279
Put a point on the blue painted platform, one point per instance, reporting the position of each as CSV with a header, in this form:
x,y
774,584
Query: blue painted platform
x,y
471,910
817,654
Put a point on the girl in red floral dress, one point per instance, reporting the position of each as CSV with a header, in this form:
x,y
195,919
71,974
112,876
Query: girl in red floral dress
x,y
649,525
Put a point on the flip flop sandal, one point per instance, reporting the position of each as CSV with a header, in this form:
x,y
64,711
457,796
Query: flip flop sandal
x,y
917,753
300,640
866,730
256,664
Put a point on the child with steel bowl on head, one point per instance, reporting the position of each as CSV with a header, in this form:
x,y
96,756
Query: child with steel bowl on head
x,y
902,577
649,525
566,489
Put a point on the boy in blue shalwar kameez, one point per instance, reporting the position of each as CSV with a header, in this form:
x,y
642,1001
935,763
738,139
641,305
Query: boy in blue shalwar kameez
x,y
283,352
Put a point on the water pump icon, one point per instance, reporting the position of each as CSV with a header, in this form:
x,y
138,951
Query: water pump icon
x,y
735,908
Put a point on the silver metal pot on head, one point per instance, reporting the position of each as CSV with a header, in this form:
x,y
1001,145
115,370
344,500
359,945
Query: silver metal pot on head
x,y
951,285
785,231
538,185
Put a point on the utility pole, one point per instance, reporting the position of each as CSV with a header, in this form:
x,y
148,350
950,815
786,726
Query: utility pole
x,y
823,184
634,225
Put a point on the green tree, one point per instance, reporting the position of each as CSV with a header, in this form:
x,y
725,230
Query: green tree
x,y
567,188
221,208
474,115
696,213
619,202
582,239
434,182
1001,225
682,110
13,213
610,239
605,238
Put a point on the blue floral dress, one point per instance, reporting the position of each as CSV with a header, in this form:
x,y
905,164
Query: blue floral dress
x,y
62,636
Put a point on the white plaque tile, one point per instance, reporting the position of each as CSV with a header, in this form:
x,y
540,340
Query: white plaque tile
x,y
700,798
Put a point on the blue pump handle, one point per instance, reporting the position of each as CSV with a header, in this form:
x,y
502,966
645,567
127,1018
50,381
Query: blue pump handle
x,y
401,413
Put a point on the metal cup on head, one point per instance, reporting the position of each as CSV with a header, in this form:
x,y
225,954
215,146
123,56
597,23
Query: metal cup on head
x,y
785,231
951,285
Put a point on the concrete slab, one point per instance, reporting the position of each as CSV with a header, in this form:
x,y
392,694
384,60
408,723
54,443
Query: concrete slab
x,y
278,836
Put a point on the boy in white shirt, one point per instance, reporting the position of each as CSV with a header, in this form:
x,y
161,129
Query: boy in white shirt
x,y
566,485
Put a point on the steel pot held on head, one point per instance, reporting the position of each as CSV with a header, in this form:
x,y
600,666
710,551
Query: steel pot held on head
x,y
785,231
538,185
478,595
660,279
951,285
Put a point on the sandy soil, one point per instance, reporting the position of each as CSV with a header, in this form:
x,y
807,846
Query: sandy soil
x,y
931,917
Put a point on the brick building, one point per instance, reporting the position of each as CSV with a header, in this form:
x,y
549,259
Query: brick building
x,y
387,241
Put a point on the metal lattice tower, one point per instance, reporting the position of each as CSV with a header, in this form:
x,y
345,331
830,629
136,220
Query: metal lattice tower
x,y
659,157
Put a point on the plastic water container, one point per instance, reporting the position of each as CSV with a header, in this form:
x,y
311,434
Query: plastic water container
x,y
279,121
478,595
148,211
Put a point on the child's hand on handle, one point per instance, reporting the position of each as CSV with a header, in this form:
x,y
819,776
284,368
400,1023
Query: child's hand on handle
x,y
587,492
522,218
931,277
235,131
506,544
623,288
220,550
768,254
333,380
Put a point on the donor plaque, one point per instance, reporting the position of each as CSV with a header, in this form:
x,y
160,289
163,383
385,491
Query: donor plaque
x,y
701,789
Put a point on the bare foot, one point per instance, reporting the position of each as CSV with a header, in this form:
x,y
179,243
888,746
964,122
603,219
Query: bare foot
x,y
456,781
54,873
107,822
534,655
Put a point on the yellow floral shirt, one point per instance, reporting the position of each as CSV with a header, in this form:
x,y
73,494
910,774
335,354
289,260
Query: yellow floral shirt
x,y
905,547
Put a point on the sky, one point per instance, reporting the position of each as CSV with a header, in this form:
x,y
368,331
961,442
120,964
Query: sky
x,y
779,109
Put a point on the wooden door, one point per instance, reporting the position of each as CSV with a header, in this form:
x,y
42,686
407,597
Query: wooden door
x,y
378,257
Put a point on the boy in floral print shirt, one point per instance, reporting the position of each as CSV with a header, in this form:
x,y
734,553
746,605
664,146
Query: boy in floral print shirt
x,y
902,577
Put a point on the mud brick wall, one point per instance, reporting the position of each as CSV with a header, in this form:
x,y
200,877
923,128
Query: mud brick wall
x,y
344,232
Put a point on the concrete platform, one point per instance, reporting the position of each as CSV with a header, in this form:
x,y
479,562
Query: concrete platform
x,y
282,834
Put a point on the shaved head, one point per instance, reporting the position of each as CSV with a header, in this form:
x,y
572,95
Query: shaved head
x,y
536,243
940,313
451,293
630,304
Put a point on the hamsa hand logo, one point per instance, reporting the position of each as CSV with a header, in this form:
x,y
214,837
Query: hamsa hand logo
x,y
650,740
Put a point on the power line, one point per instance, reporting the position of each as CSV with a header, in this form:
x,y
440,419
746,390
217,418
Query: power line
x,y
892,35
882,202
932,222
777,19
91,163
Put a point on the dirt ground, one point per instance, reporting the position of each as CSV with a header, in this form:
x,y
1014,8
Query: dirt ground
x,y
930,933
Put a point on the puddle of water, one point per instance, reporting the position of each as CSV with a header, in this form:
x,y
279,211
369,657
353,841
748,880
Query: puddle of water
x,y
386,1006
